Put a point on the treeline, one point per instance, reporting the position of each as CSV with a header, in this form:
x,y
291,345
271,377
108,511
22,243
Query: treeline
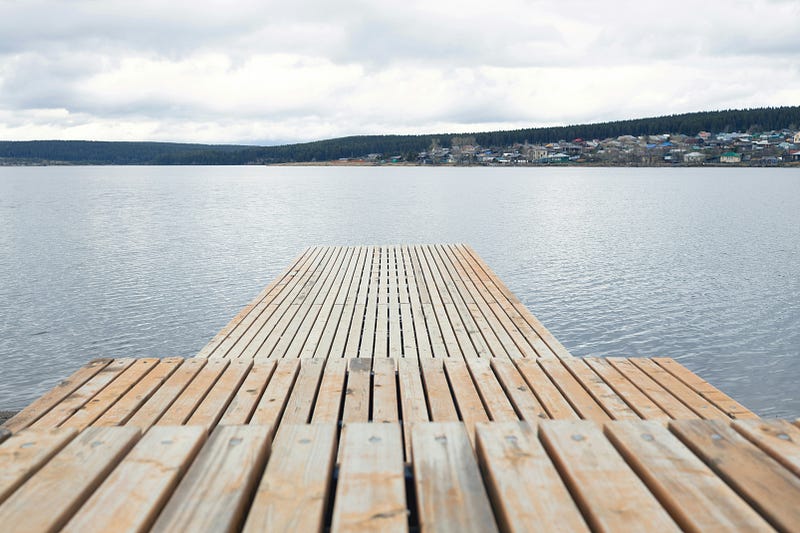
x,y
150,153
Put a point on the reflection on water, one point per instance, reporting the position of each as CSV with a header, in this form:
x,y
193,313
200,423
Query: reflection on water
x,y
697,264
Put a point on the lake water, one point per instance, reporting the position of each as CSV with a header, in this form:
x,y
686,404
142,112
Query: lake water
x,y
702,265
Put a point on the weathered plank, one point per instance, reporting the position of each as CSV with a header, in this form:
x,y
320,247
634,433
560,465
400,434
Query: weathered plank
x,y
778,438
695,497
270,407
134,493
64,483
610,495
185,404
244,402
301,401
546,392
384,391
26,452
213,494
371,493
526,490
213,406
437,391
295,487
450,492
357,393
331,392
516,388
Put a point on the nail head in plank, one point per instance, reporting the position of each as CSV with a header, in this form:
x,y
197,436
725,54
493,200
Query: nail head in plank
x,y
63,389
450,492
695,497
608,492
371,492
137,489
759,479
213,494
295,488
26,452
526,491
64,483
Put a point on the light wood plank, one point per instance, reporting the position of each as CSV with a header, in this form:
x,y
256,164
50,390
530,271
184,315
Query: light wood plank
x,y
468,401
450,492
660,396
77,399
244,402
384,391
412,398
213,406
437,391
271,405
357,393
494,398
341,336
634,397
26,452
778,438
301,402
599,390
695,497
546,392
135,398
165,395
610,495
724,402
583,403
67,480
194,393
331,392
371,494
759,479
214,493
519,393
137,489
525,488
295,488
54,396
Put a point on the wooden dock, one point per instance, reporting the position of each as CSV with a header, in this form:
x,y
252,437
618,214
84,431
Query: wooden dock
x,y
393,388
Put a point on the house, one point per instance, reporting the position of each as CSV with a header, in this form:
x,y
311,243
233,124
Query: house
x,y
796,139
694,158
730,157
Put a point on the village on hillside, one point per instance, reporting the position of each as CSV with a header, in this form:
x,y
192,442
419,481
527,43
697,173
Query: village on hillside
x,y
773,148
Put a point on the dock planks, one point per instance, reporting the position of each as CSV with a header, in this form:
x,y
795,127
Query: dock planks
x,y
406,388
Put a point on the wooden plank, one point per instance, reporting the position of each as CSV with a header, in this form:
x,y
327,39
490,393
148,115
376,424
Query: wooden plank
x,y
301,402
573,391
244,402
491,392
635,398
215,491
331,392
660,396
765,484
525,489
371,493
270,407
599,390
421,333
214,343
64,483
696,498
295,488
517,390
368,336
165,395
610,495
337,320
358,320
395,331
78,398
412,398
194,393
384,391
54,396
780,439
216,401
137,489
437,391
436,311
341,336
468,401
689,397
447,481
356,396
24,453
546,392
135,398
103,400
724,402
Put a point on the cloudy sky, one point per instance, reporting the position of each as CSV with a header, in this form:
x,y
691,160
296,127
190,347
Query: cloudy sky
x,y
267,72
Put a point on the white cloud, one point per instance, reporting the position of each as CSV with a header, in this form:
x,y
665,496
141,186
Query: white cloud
x,y
258,72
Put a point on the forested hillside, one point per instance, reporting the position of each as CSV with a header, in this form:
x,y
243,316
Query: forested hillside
x,y
150,153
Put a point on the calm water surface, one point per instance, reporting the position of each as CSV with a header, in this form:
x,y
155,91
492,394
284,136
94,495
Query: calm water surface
x,y
702,265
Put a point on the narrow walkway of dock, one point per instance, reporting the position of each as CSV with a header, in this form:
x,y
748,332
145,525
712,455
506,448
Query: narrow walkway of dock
x,y
393,388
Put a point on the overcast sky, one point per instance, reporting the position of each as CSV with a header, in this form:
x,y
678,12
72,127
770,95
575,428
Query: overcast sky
x,y
266,72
